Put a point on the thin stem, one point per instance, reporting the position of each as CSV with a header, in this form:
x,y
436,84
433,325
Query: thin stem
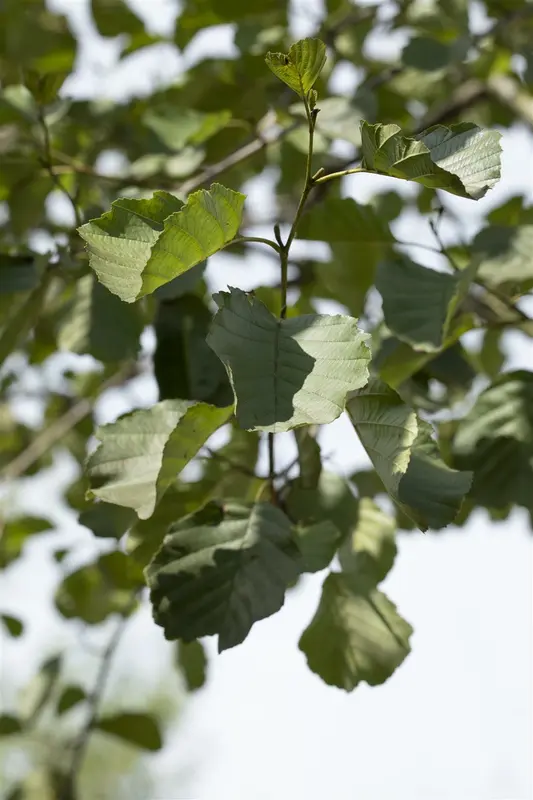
x,y
80,745
271,460
258,239
49,164
333,175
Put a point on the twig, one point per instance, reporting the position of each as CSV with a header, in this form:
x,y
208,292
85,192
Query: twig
x,y
49,164
82,740
58,429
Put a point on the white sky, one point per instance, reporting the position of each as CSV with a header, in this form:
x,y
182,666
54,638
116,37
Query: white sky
x,y
453,723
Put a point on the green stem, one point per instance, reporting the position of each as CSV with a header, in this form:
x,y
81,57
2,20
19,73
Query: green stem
x,y
258,239
333,175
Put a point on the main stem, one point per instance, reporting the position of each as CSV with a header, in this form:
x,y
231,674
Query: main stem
x,y
284,249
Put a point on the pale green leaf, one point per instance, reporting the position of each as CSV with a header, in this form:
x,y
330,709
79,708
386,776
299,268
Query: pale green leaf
x,y
221,570
142,244
356,634
462,159
301,67
141,454
290,372
344,220
141,730
371,547
405,456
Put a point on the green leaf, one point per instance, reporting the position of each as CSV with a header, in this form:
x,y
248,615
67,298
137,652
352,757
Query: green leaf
x,y
462,159
495,439
344,220
426,54
286,373
13,625
301,67
221,570
107,520
177,127
405,456
97,590
192,662
504,254
142,244
419,303
113,17
356,634
371,548
9,725
318,544
331,501
23,317
99,324
308,458
141,730
70,696
18,273
14,536
141,453
185,366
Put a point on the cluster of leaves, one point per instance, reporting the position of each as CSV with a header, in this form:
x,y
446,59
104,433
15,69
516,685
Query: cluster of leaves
x,y
220,552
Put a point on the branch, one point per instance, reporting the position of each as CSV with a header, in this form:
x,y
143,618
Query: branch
x,y
45,440
80,745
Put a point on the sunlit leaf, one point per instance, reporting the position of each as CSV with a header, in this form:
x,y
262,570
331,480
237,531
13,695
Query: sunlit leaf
x,y
299,370
371,547
301,67
141,454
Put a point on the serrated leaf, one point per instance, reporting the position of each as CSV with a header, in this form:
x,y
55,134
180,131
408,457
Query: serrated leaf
x,y
462,159
70,696
495,440
141,730
286,373
371,547
356,634
317,544
192,661
185,366
99,324
405,456
142,244
301,67
221,570
419,303
141,453
13,625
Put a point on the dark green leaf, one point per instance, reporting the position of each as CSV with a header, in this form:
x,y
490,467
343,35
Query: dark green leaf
x,y
221,570
141,730
107,520
192,661
15,534
70,696
9,725
318,544
308,458
371,549
299,370
13,625
18,273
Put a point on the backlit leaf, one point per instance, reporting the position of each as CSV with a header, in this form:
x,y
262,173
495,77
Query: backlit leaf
x,y
301,67
371,547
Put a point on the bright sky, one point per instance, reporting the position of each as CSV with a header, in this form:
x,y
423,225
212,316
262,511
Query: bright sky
x,y
455,721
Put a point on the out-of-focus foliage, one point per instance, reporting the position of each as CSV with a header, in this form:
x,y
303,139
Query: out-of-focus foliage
x,y
220,545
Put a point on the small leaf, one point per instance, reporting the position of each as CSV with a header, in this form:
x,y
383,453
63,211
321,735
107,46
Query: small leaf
x,y
371,548
308,458
142,244
141,454
298,371
13,625
406,457
9,725
107,520
462,159
356,634
220,570
419,303
301,67
15,534
70,696
318,544
192,662
141,730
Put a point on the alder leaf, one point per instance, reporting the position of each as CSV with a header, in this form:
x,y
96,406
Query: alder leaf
x,y
141,453
142,244
286,373
301,67
222,569
462,159
405,456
